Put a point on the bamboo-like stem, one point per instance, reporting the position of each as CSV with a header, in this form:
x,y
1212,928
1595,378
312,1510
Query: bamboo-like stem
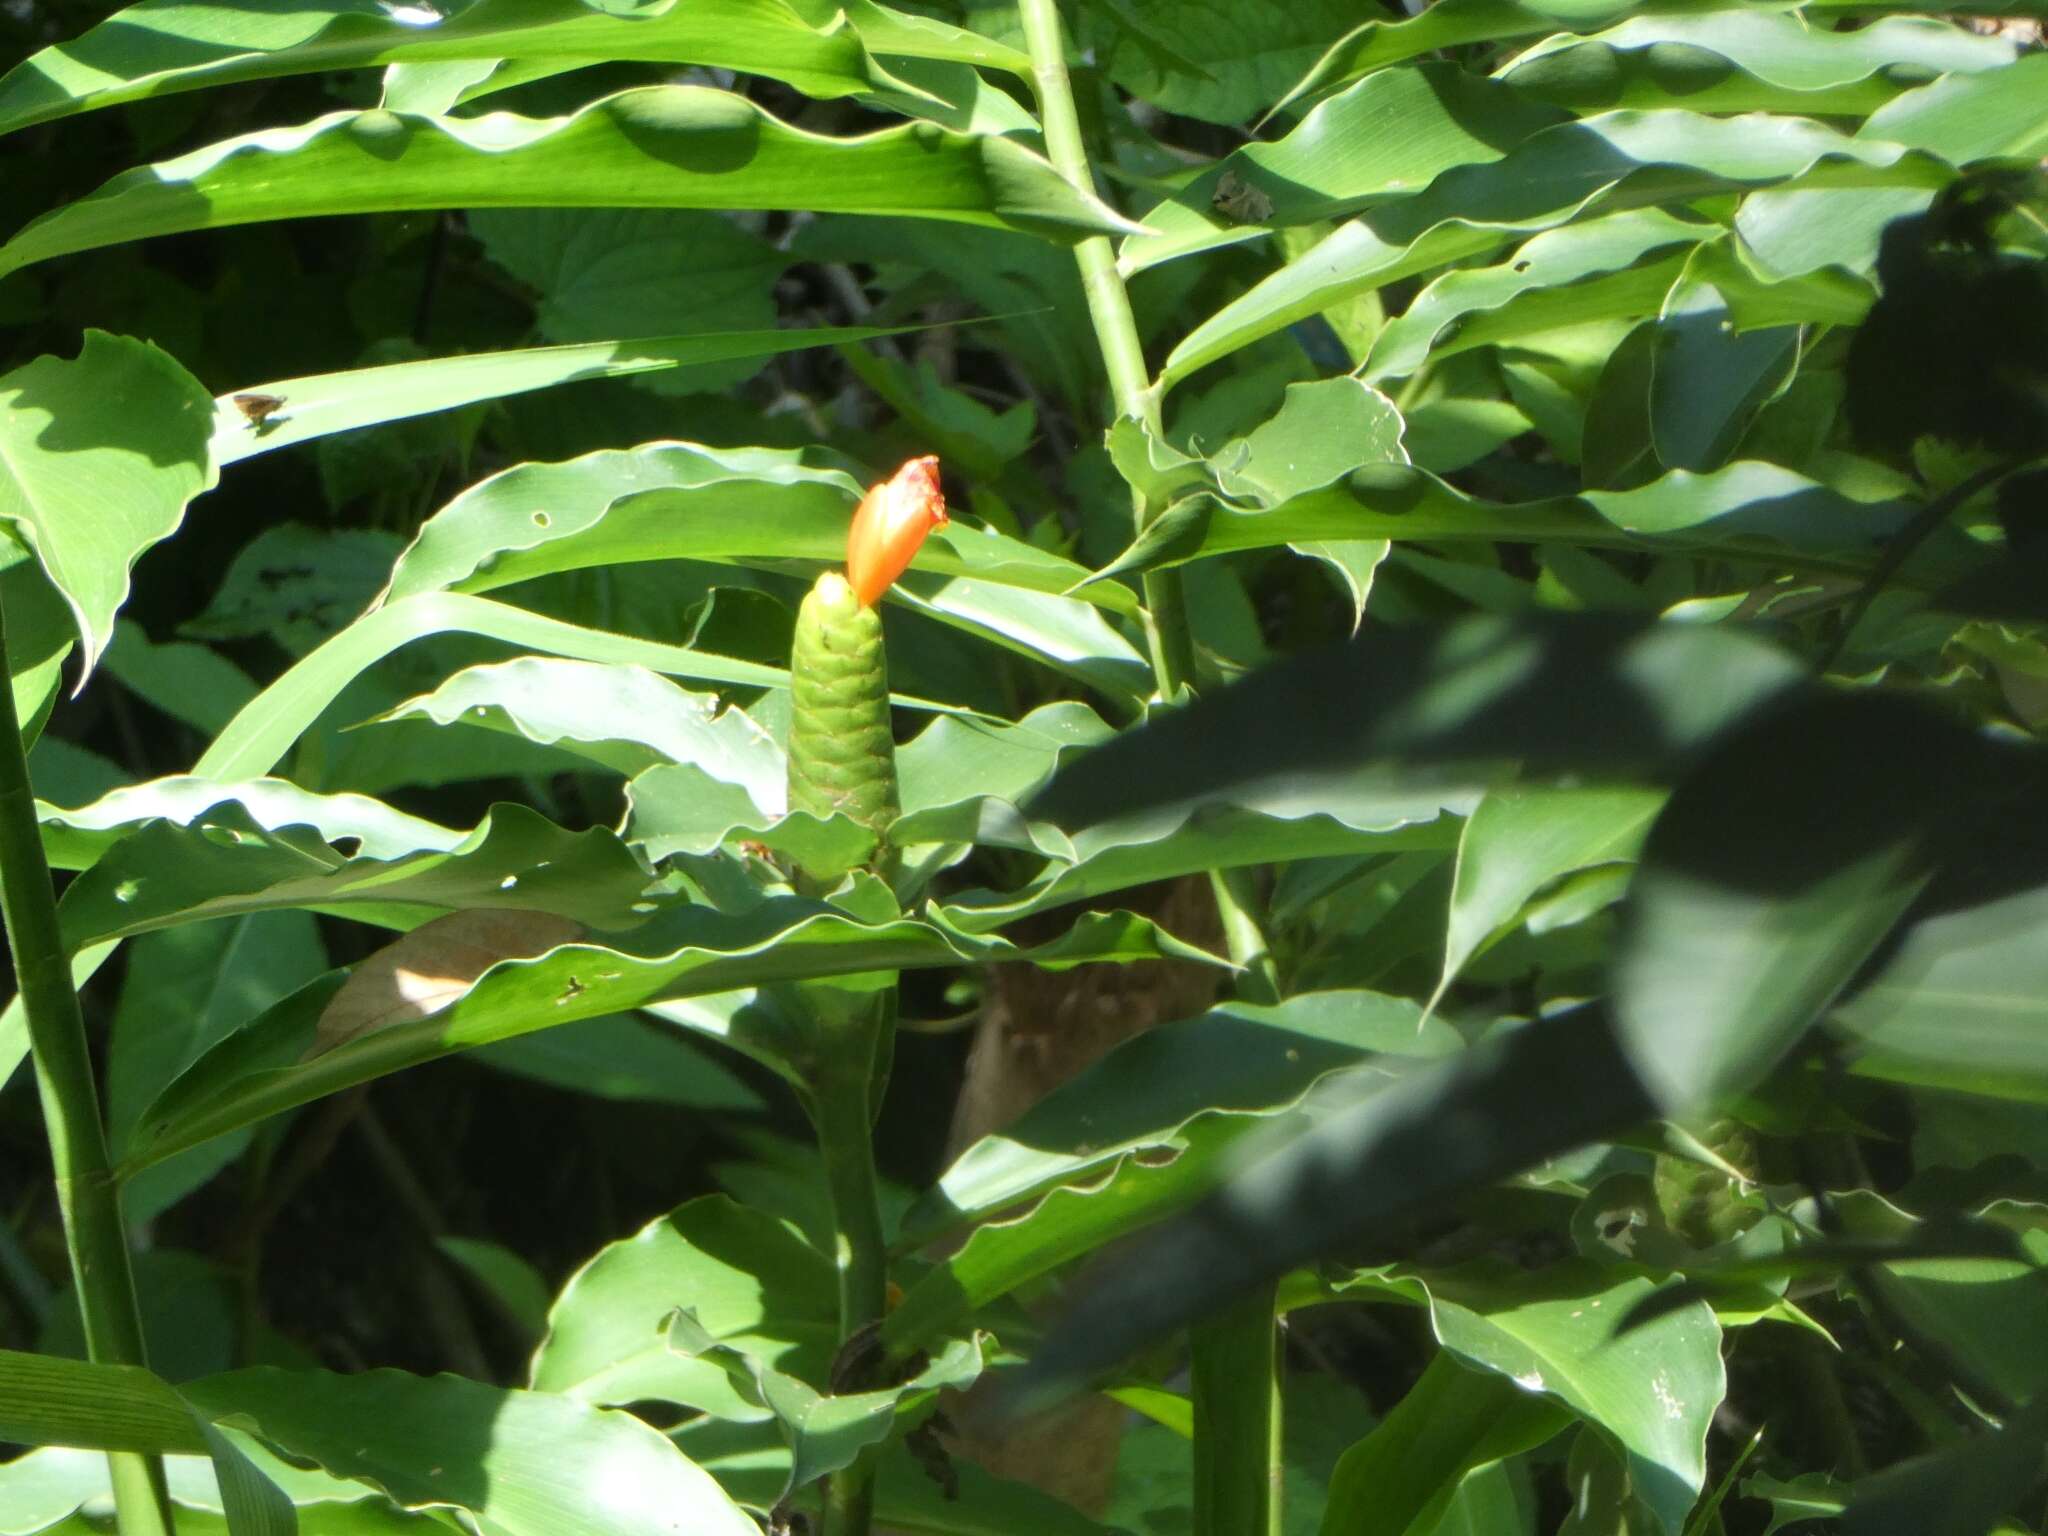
x,y
1237,1471
87,1193
841,1103
1116,331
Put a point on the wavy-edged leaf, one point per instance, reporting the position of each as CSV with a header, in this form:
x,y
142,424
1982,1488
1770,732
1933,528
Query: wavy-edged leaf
x,y
753,1465
76,839
1383,137
1373,45
527,1463
1518,841
1544,279
687,951
1739,60
1447,708
1961,118
1237,1059
322,404
1553,1332
98,458
677,500
46,1400
1746,510
40,634
1602,164
158,46
824,1431
225,861
1400,1479
1758,898
751,1282
1961,1004
1390,1152
624,717
265,729
669,146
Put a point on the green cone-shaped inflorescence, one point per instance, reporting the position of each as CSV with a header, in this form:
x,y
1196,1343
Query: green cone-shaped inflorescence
x,y
841,755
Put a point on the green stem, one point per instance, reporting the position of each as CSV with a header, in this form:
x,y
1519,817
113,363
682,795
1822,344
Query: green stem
x,y
1116,330
87,1193
1236,1361
854,1037
1234,1371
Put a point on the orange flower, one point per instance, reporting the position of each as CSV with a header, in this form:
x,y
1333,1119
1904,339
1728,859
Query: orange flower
x,y
889,525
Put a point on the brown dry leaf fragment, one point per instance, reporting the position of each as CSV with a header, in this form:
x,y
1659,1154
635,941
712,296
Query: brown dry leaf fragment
x,y
431,967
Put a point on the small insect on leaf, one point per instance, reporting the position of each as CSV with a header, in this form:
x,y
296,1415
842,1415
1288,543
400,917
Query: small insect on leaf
x,y
258,409
1239,201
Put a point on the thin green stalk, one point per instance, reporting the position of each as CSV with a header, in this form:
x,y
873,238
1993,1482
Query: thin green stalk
x,y
1237,1406
1116,331
853,1036
87,1193
1234,1371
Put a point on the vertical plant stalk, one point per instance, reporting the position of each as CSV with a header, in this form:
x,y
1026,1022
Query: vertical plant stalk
x,y
1235,1384
1237,1460
853,1039
87,1193
1116,331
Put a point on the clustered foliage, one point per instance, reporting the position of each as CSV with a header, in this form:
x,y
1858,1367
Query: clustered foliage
x,y
1496,597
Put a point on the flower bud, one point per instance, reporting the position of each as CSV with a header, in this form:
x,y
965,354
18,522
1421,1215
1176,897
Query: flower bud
x,y
889,525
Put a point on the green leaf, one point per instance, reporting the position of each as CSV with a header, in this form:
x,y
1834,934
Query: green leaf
x,y
824,1432
1341,159
688,951
265,729
752,1284
1445,709
1794,1501
604,272
1400,1479
185,990
76,839
188,682
1381,1153
1708,380
624,717
46,1400
1961,1003
1517,841
1241,1058
40,634
50,1401
1554,1333
686,501
753,1465
1745,510
1544,285
671,146
1573,171
1165,50
1961,118
1959,1490
98,457
1736,60
326,403
527,1463
626,1058
1771,876
155,47
226,861
1375,44
514,1284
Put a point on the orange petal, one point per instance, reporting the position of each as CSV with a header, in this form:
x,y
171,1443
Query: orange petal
x,y
889,526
